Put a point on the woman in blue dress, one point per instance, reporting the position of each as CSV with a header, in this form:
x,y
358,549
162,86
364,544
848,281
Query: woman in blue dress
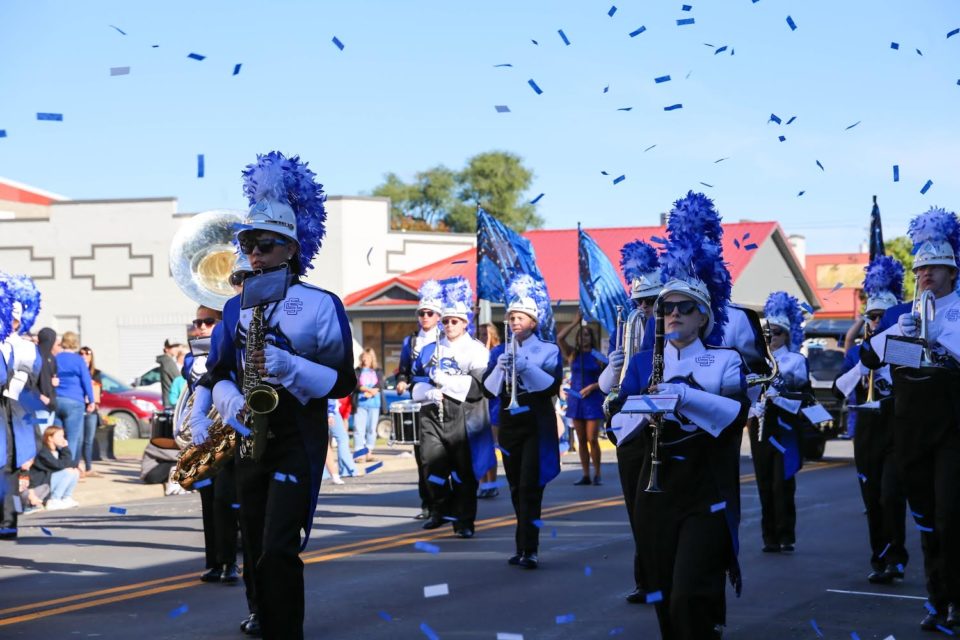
x,y
584,399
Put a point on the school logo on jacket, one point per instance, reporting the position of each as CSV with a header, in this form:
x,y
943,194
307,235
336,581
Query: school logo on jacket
x,y
292,306
706,360
953,314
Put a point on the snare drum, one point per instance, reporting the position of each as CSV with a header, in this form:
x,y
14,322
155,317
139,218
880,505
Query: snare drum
x,y
405,416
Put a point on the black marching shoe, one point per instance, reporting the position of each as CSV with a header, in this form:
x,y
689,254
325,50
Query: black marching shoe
x,y
932,621
787,547
880,577
771,548
515,558
637,596
434,522
251,626
465,532
230,575
953,618
529,560
211,575
423,515
582,482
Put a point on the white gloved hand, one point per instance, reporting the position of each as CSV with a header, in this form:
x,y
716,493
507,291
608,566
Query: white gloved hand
x,y
521,364
617,358
909,325
434,395
771,393
233,406
503,362
277,362
673,388
199,428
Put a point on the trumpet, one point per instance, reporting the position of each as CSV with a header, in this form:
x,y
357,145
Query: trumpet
x,y
926,306
866,338
511,381
437,364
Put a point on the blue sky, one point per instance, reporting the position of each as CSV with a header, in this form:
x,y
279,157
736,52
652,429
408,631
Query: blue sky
x,y
416,86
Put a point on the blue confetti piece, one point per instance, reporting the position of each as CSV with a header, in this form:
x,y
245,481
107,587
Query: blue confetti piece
x,y
535,42
291,478
235,506
239,428
360,452
774,118
123,33
118,510
720,160
637,31
920,53
514,412
863,478
648,148
895,45
563,37
537,523
720,506
750,247
427,631
619,179
793,25
707,185
386,616
685,21
613,10
681,458
746,236
501,108
854,636
604,173
196,56
203,483
426,546
736,243
884,552
776,445
199,165
625,109
50,117
658,240
616,631
537,199
566,618
279,477
816,629
46,531
686,7
820,165
792,118
533,85
460,262
373,468
179,611
236,68
119,71
673,107
853,125
781,138
720,50
662,79
926,187
587,571
337,43
654,596
896,173
924,529
953,33
801,193
505,64
436,480
932,609
492,485
503,451
945,630
3,133
606,89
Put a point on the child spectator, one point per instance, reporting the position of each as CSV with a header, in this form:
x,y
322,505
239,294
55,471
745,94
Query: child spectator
x,y
55,460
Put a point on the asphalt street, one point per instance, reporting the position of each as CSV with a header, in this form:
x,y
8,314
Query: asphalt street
x,y
92,573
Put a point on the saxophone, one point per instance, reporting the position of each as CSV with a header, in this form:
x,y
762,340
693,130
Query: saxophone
x,y
260,398
201,461
656,419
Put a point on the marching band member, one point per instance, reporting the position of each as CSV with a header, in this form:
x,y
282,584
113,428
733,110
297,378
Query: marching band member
x,y
640,266
775,430
428,315
22,361
307,359
687,534
926,439
873,450
449,372
528,430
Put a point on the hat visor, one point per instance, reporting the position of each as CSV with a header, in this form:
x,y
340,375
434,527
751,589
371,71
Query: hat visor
x,y
646,292
265,225
944,261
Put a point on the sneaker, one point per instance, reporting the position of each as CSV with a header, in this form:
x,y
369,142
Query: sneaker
x,y
56,504
582,482
173,489
71,503
337,480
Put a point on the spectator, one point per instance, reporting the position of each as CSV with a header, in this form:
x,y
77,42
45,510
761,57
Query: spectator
x,y
60,472
75,393
489,334
168,370
33,489
338,433
368,403
91,420
179,384
48,381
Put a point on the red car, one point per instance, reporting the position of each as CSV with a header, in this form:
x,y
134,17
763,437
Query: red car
x,y
131,409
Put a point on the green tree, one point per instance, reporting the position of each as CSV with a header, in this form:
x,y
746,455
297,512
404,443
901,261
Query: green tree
x,y
901,248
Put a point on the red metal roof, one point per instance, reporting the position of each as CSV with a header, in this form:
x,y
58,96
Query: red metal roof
x,y
15,192
556,252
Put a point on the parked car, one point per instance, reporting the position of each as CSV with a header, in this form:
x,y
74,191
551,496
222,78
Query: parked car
x,y
149,381
131,409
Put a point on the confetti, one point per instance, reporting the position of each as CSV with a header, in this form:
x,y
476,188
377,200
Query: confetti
x,y
648,148
784,424
924,529
619,179
604,173
625,109
533,85
776,445
720,50
123,33
517,410
932,609
919,53
118,510
427,631
587,571
196,56
505,64
816,629
884,552
774,118
535,42
501,108
566,618
3,133
781,138
360,452
820,165
337,43
235,506
854,636
537,523
386,616
564,37
720,160
373,468
426,546
681,458
199,165
793,25
637,31
537,199
720,506
459,262
236,68
673,107
894,45
686,7
836,287
707,185
46,531
791,119
279,477
655,596
606,89
926,187
853,125
953,33
511,636
503,451
662,79
896,173
616,631
436,480
945,630
291,478
119,71
203,483
801,193
750,247
52,117
685,21
436,590
179,611
613,10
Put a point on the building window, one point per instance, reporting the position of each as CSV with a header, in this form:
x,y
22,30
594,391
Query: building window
x,y
386,338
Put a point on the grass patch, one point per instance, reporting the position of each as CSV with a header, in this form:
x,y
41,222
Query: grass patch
x,y
132,448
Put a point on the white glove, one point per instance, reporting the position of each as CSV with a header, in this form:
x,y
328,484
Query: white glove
x,y
521,365
673,388
771,393
616,359
908,323
278,363
503,362
199,428
434,395
228,400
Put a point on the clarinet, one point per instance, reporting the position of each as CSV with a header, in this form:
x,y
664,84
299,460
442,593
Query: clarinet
x,y
435,363
656,377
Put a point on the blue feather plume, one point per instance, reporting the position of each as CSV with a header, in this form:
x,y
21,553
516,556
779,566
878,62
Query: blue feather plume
x,y
24,290
6,308
636,259
781,303
884,275
431,290
693,250
524,286
277,177
458,289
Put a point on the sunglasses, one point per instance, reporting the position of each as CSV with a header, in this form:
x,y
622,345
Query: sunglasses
x,y
199,322
265,245
650,300
685,307
453,321
777,332
874,317
426,313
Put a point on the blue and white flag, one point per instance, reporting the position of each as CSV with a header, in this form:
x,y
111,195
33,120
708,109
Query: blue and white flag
x,y
600,288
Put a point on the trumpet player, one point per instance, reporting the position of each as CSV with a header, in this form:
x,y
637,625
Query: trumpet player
x,y
526,374
873,448
926,438
306,359
686,521
449,372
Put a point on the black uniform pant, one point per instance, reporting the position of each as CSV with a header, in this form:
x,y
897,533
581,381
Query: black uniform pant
x,y
778,519
272,513
8,476
880,487
927,443
630,458
521,441
421,478
446,450
220,523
